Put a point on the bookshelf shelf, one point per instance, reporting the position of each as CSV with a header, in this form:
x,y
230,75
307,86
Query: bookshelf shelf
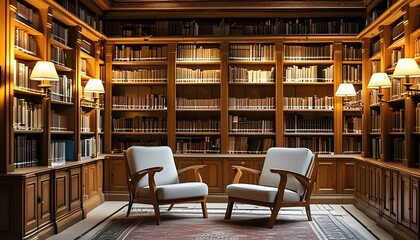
x,y
30,30
308,134
142,63
62,132
25,56
138,133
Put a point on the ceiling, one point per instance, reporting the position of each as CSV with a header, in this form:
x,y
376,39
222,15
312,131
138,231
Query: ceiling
x,y
228,8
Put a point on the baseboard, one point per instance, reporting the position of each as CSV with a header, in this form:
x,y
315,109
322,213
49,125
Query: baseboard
x,y
68,220
92,203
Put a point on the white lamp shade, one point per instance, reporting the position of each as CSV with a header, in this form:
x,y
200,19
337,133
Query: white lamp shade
x,y
406,67
95,86
44,71
379,80
345,89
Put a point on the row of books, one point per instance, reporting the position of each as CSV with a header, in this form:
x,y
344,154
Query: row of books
x,y
61,151
85,120
244,75
150,101
352,145
250,103
27,115
140,53
86,46
417,48
62,90
88,147
352,53
139,124
58,121
397,120
354,102
69,5
119,146
209,125
21,77
295,123
83,66
309,74
184,103
27,15
59,32
88,17
58,55
25,42
251,52
375,66
352,124
323,145
241,124
397,54
197,75
375,47
397,88
192,52
205,144
398,149
397,31
153,74
226,27
374,97
248,145
352,73
26,152
308,52
376,121
313,102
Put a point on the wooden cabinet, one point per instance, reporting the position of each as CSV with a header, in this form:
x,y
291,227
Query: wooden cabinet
x,y
212,174
336,177
115,178
92,185
390,189
38,202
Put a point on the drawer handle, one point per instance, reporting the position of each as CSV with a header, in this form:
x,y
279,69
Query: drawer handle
x,y
40,200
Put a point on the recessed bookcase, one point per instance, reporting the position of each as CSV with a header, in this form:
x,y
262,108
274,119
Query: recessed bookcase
x,y
392,122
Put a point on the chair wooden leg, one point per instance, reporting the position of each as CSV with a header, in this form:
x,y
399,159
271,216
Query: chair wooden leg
x,y
308,212
229,209
204,208
130,204
273,217
157,212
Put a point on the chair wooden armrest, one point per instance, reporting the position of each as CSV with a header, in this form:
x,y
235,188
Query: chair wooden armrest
x,y
135,178
305,181
196,169
238,172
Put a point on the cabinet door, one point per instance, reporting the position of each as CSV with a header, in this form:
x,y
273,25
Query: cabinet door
x,y
92,181
346,177
390,188
361,181
75,190
404,201
116,181
31,204
99,176
62,199
374,187
326,182
44,200
212,174
415,205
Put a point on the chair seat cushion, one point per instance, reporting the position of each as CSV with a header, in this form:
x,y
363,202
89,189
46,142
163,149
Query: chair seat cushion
x,y
259,193
176,191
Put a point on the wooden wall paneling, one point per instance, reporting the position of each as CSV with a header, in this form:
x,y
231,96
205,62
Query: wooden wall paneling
x,y
326,182
62,199
346,172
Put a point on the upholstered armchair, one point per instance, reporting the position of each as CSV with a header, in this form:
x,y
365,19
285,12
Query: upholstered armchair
x,y
153,179
286,180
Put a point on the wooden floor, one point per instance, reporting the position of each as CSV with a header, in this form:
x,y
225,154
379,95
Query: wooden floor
x,y
95,217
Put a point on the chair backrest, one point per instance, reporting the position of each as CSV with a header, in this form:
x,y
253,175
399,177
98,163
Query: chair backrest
x,y
298,160
140,158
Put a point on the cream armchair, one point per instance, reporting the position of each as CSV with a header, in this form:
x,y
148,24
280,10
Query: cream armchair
x,y
286,180
153,179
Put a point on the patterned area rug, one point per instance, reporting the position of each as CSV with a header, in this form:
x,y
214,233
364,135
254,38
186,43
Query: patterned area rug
x,y
245,223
